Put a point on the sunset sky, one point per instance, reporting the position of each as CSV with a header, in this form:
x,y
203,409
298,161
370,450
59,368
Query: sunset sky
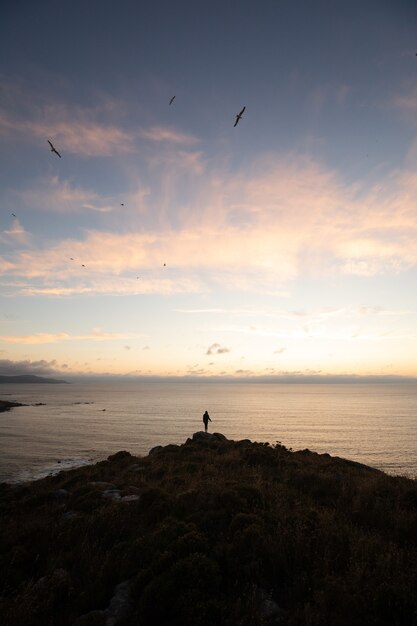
x,y
286,245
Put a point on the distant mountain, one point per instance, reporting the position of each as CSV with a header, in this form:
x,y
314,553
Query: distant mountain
x,y
29,379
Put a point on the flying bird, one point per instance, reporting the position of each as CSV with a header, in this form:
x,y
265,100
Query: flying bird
x,y
54,149
239,117
172,100
71,259
121,204
82,265
13,215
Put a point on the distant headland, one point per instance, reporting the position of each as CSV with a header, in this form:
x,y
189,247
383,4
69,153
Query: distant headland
x,y
30,379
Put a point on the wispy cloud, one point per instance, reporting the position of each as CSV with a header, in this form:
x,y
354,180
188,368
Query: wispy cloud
x,y
71,130
42,338
171,135
251,232
54,194
16,233
329,94
407,101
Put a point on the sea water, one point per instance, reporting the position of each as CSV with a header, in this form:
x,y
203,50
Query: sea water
x,y
82,423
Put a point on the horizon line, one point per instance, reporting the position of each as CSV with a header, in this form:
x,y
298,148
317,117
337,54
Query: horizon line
x,y
273,379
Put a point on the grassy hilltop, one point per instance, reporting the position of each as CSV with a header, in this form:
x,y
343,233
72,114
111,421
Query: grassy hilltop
x,y
211,532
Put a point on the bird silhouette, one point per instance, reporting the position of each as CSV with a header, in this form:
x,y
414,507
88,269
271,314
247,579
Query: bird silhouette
x,y
121,204
82,265
239,117
172,100
54,149
13,215
71,259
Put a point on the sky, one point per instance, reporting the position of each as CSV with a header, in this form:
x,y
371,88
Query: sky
x,y
168,242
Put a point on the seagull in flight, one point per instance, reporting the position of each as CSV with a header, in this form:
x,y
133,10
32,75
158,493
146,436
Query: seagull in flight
x,y
13,215
172,100
239,117
54,149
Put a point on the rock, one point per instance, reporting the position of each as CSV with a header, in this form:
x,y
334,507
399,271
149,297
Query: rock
x,y
92,618
130,498
136,468
112,494
267,606
220,436
5,405
201,436
117,612
61,494
101,484
119,456
57,585
120,606
155,450
68,515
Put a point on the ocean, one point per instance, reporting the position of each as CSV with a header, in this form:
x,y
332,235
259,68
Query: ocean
x,y
81,423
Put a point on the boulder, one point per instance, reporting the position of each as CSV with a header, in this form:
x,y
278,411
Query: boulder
x,y
101,484
203,437
130,498
120,605
155,450
267,606
111,494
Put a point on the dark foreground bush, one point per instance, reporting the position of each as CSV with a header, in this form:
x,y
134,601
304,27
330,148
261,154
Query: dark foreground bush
x,y
229,533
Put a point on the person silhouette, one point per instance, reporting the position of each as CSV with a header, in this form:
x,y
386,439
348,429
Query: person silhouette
x,y
206,420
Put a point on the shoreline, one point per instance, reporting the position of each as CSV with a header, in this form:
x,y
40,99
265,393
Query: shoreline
x,y
6,405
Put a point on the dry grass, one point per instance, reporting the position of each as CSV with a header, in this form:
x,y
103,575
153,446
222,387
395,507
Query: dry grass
x,y
217,527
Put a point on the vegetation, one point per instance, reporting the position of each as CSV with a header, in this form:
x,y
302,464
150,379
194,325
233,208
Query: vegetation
x,y
211,532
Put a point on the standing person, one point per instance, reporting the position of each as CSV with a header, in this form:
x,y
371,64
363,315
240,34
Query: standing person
x,y
206,420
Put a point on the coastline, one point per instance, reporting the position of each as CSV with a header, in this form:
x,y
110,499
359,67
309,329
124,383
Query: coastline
x,y
211,531
6,405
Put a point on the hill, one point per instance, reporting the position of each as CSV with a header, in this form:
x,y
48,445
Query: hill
x,y
30,379
211,532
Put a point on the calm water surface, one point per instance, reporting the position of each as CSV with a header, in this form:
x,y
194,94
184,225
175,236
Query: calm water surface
x,y
373,424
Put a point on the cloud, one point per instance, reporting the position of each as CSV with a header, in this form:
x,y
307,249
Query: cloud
x,y
42,338
253,231
171,135
15,234
323,95
18,368
53,194
407,101
71,130
216,348
279,351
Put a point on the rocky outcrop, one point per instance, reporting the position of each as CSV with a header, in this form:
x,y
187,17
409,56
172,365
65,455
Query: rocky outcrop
x,y
208,437
5,405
